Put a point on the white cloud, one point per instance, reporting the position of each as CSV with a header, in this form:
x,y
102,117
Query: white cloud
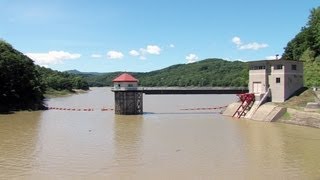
x,y
51,57
191,58
272,57
153,49
253,46
236,40
249,46
96,55
134,53
143,52
172,45
115,55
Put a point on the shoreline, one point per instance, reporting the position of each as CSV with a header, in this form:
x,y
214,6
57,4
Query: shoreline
x,y
297,113
64,93
293,111
300,118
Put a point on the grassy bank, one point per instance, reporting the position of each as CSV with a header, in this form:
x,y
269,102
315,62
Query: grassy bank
x,y
296,113
300,100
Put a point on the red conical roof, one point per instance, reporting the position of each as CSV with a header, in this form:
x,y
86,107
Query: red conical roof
x,y
125,77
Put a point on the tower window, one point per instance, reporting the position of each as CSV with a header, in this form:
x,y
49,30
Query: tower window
x,y
278,66
277,80
294,67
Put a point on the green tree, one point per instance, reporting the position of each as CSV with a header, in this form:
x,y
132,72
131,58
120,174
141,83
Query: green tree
x,y
305,46
21,87
307,39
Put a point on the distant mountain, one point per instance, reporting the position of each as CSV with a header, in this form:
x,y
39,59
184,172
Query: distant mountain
x,y
74,71
209,72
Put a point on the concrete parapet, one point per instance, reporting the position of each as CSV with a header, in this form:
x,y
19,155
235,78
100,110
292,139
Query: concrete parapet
x,y
312,106
252,110
231,109
275,114
267,112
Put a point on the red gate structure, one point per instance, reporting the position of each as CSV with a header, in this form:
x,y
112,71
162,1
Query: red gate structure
x,y
247,101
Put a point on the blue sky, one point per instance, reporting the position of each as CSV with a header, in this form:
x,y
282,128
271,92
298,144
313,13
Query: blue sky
x,y
146,35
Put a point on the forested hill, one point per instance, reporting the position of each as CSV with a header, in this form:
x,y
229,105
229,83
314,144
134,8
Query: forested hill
x,y
209,72
22,83
305,46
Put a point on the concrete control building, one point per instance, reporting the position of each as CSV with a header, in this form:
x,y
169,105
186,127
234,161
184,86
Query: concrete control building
x,y
283,77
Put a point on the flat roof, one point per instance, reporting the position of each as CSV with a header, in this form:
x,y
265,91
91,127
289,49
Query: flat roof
x,y
279,60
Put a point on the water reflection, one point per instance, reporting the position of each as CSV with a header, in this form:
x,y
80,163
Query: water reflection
x,y
128,140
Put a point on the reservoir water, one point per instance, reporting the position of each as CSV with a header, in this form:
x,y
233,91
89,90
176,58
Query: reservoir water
x,y
164,143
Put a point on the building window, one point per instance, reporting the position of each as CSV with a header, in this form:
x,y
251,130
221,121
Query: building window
x,y
294,67
257,67
130,85
278,66
277,80
261,67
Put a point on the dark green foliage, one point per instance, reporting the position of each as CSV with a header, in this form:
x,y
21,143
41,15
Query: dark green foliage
x,y
307,38
61,80
99,80
21,87
209,72
23,83
305,46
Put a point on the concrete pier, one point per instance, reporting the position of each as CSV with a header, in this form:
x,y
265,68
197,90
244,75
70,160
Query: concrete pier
x,y
268,112
128,97
128,102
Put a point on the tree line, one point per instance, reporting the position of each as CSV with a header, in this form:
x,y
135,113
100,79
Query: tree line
x,y
23,83
305,46
209,72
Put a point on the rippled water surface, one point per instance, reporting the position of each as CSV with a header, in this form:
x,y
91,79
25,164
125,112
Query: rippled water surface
x,y
164,143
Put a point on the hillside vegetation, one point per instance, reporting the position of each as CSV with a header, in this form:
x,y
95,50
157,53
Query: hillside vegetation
x,y
21,87
209,72
305,46
61,80
23,83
